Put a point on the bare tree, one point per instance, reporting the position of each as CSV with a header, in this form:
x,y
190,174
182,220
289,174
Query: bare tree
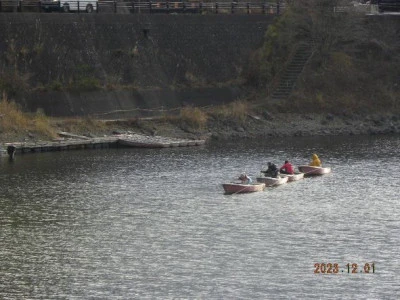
x,y
329,25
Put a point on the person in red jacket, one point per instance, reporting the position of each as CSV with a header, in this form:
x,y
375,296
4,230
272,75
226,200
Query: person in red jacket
x,y
287,168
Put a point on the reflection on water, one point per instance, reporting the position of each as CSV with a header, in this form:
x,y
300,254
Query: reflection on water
x,y
145,224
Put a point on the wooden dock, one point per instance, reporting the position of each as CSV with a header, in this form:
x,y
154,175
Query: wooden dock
x,y
141,141
74,142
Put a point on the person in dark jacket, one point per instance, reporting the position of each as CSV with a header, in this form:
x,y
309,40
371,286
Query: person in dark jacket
x,y
272,171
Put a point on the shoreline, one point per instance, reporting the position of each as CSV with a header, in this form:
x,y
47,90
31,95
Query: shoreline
x,y
290,124
254,126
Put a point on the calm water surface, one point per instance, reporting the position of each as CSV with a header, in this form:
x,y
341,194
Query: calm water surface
x,y
155,224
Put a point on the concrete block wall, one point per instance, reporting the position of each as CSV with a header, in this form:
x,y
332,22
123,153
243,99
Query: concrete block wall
x,y
146,52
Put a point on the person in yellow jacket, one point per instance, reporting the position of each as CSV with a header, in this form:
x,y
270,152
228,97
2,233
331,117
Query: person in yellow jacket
x,y
315,161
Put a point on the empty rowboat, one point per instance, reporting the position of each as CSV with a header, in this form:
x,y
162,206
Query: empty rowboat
x,y
236,188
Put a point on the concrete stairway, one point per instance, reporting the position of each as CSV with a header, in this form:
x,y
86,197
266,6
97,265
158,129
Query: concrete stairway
x,y
287,80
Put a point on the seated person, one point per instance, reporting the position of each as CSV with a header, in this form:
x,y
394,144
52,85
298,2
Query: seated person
x,y
287,168
272,171
315,161
245,179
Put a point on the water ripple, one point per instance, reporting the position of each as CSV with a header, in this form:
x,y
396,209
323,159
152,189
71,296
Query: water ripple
x,y
148,224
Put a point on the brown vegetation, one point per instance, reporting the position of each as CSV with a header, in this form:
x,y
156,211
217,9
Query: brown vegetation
x,y
355,65
13,122
194,117
236,111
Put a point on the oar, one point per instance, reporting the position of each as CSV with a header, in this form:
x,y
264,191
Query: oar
x,y
240,190
309,172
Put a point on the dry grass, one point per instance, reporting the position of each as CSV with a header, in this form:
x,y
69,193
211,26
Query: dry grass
x,y
194,117
13,120
42,125
237,111
82,126
173,119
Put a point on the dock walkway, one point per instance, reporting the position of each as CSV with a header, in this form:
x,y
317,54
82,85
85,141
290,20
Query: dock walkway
x,y
74,142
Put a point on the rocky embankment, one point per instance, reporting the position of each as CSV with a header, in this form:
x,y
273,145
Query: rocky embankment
x,y
254,126
307,125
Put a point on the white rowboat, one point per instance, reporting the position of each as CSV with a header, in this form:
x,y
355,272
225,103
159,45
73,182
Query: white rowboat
x,y
294,177
311,170
270,181
236,188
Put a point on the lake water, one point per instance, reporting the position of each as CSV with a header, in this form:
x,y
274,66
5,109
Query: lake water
x,y
155,223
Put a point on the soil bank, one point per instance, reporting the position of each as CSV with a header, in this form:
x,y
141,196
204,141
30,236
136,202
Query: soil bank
x,y
254,126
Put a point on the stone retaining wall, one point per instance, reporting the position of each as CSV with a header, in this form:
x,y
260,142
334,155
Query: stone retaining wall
x,y
142,60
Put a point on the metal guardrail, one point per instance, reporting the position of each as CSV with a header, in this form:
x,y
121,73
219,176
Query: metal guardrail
x,y
147,6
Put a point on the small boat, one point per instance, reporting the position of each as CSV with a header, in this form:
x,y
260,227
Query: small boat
x,y
312,170
271,181
142,144
294,177
236,188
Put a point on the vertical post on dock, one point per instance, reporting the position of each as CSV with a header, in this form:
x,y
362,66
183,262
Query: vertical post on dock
x,y
11,152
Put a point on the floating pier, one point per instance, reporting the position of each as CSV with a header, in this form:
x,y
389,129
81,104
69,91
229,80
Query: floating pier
x,y
75,142
141,141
